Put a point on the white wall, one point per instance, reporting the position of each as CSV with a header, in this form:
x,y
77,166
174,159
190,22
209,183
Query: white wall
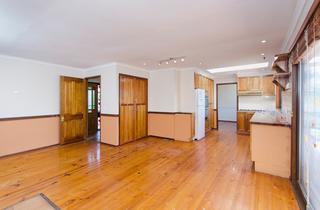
x,y
186,90
110,83
163,90
31,88
172,90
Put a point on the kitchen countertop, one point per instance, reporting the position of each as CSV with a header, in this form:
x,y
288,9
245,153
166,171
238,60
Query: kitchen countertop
x,y
270,118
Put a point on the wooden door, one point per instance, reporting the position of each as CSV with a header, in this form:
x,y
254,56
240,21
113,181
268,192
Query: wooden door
x,y
72,109
92,90
133,108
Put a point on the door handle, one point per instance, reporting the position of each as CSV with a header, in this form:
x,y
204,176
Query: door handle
x,y
62,119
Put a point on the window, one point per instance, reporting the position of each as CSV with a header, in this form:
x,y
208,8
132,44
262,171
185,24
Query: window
x,y
309,127
91,99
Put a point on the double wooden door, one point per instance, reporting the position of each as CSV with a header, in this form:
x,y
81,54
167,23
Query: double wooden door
x,y
133,108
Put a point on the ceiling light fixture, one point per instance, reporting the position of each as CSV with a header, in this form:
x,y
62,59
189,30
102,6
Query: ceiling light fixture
x,y
263,41
262,54
174,60
239,68
144,63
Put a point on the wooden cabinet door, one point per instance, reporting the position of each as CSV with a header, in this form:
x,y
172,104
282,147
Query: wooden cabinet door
x,y
248,118
140,95
241,122
72,109
133,108
127,109
254,83
242,84
268,87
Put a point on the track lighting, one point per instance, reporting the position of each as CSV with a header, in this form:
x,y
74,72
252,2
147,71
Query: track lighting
x,y
174,60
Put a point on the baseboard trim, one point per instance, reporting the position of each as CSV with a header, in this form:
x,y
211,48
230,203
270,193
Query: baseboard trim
x,y
27,151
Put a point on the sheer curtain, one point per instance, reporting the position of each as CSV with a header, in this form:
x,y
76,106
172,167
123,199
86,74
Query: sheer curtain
x,y
309,140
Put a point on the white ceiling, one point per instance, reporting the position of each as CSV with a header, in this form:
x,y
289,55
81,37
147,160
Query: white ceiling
x,y
86,33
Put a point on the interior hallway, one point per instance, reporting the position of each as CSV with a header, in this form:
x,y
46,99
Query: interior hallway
x,y
153,173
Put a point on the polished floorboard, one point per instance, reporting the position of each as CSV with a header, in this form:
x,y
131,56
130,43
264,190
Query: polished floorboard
x,y
152,173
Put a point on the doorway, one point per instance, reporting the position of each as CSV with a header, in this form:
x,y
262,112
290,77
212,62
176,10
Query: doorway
x,y
227,102
94,108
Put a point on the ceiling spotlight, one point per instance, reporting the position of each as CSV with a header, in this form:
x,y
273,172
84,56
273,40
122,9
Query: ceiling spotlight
x,y
264,41
159,64
200,63
262,54
174,61
182,59
167,62
144,63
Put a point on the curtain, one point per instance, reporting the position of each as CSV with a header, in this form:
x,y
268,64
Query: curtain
x,y
309,124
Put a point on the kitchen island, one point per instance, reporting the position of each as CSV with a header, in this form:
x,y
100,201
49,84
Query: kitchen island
x,y
271,143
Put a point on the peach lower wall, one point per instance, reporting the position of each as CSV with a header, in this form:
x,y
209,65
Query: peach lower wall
x,y
27,134
171,125
271,149
110,130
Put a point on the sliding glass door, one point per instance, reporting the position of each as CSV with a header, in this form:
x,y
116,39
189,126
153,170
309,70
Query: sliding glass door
x,y
309,126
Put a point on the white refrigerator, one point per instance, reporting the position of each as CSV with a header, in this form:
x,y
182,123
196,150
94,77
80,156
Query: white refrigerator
x,y
200,101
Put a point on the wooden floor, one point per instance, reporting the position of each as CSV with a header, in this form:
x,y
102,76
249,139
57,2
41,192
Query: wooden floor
x,y
215,173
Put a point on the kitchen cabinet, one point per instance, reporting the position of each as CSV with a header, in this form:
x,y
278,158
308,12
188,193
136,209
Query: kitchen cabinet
x,y
254,83
243,84
249,83
243,122
268,87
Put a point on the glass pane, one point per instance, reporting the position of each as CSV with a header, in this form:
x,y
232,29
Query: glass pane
x,y
309,128
89,100
93,99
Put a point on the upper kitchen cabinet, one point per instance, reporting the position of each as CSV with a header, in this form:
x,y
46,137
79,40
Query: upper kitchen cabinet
x,y
254,83
268,87
242,83
256,86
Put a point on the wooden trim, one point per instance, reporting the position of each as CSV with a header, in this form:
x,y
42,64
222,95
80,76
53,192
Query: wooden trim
x,y
151,112
27,151
295,121
230,121
110,115
28,117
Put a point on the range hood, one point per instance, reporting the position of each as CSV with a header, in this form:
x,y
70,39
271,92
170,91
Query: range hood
x,y
281,68
250,93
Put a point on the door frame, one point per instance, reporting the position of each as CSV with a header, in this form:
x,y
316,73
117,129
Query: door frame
x,y
119,103
86,102
217,99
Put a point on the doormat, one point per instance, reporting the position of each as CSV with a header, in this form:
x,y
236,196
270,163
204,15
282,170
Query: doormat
x,y
37,202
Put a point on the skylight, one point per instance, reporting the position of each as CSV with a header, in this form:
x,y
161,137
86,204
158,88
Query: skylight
x,y
239,68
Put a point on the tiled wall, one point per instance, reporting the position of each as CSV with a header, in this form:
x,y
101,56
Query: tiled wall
x,y
257,102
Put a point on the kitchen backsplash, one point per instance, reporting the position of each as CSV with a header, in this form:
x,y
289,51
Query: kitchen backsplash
x,y
267,103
